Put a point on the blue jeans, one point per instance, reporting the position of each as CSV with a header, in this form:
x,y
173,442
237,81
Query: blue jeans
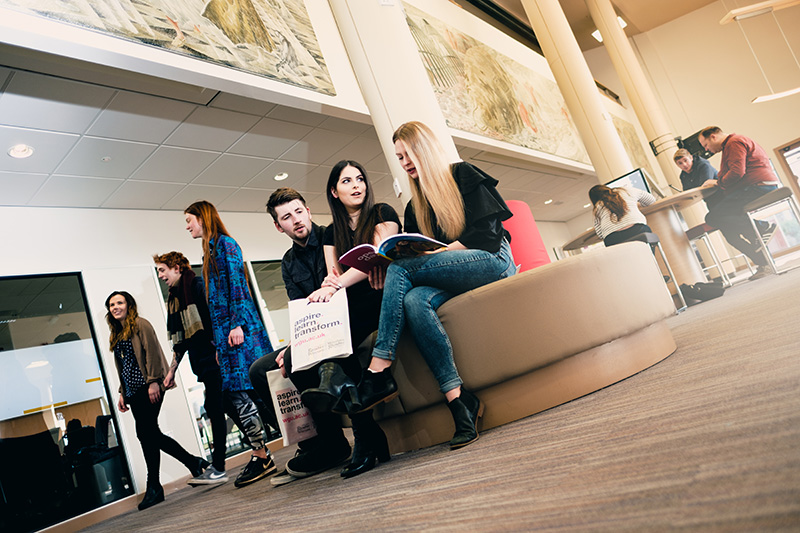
x,y
414,290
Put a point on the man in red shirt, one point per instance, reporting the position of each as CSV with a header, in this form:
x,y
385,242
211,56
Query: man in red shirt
x,y
744,175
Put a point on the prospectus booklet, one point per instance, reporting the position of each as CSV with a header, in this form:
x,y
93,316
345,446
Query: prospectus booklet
x,y
365,257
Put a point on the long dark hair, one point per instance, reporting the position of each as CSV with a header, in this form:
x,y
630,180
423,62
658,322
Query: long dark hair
x,y
611,199
121,331
368,218
212,228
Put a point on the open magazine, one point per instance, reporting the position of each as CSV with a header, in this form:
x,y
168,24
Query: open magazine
x,y
365,257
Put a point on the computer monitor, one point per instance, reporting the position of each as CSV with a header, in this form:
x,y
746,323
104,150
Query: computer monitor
x,y
635,179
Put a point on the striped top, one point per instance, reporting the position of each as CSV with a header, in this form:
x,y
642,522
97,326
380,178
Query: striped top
x,y
606,223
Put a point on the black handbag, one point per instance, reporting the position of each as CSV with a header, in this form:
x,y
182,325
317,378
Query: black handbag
x,y
703,291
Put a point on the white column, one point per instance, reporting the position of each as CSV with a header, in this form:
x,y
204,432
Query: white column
x,y
390,73
575,81
637,87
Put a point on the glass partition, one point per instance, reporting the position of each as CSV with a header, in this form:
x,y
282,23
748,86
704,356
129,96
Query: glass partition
x,y
58,438
270,286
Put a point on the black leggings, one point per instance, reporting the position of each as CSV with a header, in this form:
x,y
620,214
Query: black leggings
x,y
150,436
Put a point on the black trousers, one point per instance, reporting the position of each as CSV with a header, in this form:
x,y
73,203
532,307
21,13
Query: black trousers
x,y
153,441
729,217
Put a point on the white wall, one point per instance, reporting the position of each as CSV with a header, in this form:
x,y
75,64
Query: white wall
x,y
705,74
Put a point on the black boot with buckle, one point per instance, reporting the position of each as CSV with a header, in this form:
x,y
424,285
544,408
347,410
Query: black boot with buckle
x,y
334,385
466,409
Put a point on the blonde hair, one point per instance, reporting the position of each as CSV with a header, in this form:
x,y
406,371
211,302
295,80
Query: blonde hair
x,y
435,190
680,153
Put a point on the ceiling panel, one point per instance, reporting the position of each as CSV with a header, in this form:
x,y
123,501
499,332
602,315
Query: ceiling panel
x,y
270,138
192,193
139,117
105,158
313,182
361,149
241,104
211,129
49,149
42,102
246,200
17,188
142,195
297,116
317,146
74,191
296,171
179,165
232,169
346,126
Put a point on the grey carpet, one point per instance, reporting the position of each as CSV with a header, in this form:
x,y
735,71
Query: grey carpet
x,y
707,440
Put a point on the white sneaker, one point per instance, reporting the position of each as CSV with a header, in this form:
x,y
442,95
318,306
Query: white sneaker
x,y
211,476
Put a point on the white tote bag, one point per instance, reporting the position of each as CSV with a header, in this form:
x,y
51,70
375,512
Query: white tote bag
x,y
320,330
294,418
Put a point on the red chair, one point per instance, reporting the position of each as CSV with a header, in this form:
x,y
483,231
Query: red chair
x,y
526,242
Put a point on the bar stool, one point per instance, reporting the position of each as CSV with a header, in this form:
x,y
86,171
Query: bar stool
x,y
772,198
654,242
701,232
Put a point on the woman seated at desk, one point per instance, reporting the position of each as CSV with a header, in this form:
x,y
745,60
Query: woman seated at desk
x,y
616,213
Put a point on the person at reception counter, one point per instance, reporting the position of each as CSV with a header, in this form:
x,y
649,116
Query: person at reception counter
x,y
141,366
745,174
616,213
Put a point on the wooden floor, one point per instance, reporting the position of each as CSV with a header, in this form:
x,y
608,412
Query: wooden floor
x,y
707,440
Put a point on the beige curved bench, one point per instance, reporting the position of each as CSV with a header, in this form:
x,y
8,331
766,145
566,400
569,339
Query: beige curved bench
x,y
537,340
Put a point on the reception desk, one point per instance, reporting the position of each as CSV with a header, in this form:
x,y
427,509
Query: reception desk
x,y
662,217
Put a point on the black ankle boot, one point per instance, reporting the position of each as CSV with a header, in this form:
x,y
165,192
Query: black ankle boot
x,y
376,387
153,495
197,466
370,447
466,409
334,385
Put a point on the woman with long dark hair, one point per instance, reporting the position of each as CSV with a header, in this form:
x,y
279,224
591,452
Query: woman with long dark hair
x,y
456,204
141,367
616,213
239,334
357,219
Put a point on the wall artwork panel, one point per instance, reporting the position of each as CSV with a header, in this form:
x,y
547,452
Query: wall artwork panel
x,y
632,144
483,91
271,38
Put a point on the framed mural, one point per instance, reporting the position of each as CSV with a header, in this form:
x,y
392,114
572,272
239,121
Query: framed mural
x,y
271,38
483,91
633,145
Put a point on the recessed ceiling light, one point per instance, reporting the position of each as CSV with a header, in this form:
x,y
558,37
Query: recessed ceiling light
x,y
280,177
20,151
550,201
105,159
587,205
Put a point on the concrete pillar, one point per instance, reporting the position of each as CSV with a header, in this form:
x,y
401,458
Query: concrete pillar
x,y
391,75
575,81
642,99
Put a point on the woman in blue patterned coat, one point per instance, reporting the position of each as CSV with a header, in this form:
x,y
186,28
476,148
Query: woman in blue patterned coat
x,y
239,334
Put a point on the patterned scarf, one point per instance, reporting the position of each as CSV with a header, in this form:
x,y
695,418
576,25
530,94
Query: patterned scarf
x,y
183,319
